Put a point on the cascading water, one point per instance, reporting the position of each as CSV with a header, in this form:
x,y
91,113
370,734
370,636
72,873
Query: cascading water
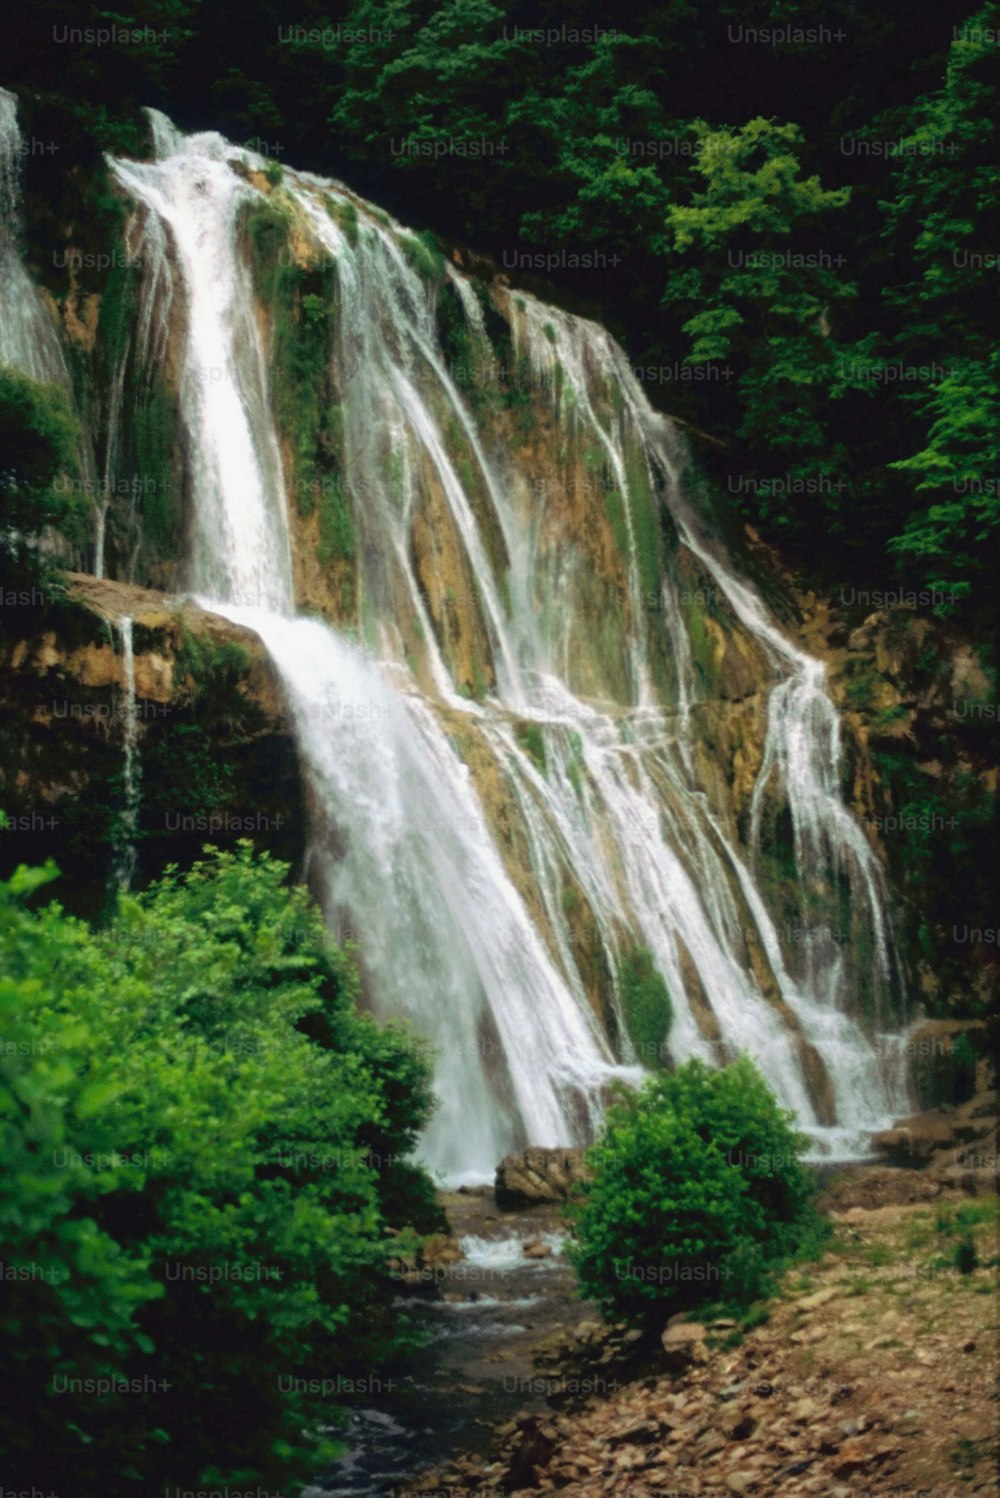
x,y
509,778
240,550
125,852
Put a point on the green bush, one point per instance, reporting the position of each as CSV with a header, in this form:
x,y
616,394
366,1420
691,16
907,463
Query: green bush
x,y
204,1151
38,453
698,1194
648,1009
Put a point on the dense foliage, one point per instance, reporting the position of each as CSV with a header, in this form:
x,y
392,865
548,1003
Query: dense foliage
x,y
204,1170
698,1194
789,213
38,459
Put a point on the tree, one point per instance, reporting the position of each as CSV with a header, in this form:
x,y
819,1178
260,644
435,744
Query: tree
x,y
697,1194
204,1149
946,205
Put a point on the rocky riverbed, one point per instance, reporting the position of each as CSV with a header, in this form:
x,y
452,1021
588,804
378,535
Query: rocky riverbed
x,y
873,1372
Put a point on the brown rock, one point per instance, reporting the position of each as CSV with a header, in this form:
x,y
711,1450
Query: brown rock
x,y
683,1345
853,1457
537,1175
913,1140
533,1446
813,1302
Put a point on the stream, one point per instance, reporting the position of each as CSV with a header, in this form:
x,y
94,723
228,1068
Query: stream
x,y
476,1371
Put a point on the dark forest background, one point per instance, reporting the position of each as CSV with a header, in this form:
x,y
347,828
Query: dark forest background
x,y
789,214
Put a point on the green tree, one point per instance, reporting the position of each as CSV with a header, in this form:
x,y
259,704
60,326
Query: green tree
x,y
697,1194
945,204
756,276
204,1149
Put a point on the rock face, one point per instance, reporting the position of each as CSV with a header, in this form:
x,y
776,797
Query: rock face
x,y
215,755
957,1147
537,1175
938,1073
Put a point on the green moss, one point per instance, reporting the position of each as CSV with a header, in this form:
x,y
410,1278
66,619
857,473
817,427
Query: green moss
x,y
425,255
266,226
645,524
213,665
646,1005
303,303
338,535
702,643
145,480
345,216
574,767
532,741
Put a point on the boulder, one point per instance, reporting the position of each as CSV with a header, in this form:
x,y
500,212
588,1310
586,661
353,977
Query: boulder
x,y
683,1345
536,1175
913,1140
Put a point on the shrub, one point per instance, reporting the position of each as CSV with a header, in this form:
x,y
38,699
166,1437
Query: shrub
x,y
38,442
698,1194
646,1002
204,1150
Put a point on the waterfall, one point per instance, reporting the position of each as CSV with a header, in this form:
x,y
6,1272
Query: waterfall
x,y
29,341
511,770
125,851
240,549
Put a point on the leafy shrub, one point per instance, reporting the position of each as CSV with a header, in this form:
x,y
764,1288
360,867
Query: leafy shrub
x,y
698,1194
646,1000
204,1150
38,445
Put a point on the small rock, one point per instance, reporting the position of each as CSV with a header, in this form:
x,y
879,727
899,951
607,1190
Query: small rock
x,y
813,1302
683,1345
738,1482
853,1457
638,1433
536,1249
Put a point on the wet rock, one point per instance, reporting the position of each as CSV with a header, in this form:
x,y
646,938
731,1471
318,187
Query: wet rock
x,y
537,1175
930,1048
536,1249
